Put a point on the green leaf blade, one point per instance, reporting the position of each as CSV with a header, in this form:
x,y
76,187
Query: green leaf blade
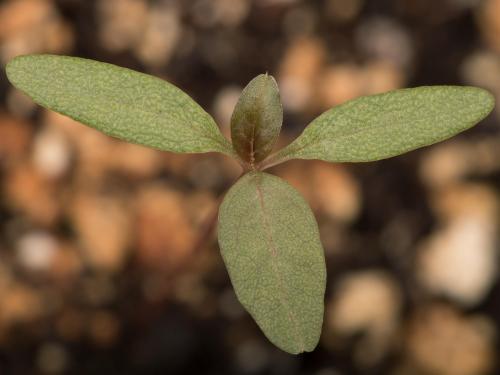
x,y
119,102
256,120
385,125
270,244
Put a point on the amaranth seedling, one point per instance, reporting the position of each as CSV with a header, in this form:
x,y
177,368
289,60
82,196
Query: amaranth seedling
x,y
268,236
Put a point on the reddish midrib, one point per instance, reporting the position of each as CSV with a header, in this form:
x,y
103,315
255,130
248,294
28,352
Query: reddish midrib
x,y
274,256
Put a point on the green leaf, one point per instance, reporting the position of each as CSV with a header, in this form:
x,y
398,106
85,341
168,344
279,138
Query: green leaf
x,y
122,103
257,119
270,244
385,125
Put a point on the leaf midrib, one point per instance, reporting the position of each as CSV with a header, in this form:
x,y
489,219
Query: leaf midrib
x,y
274,255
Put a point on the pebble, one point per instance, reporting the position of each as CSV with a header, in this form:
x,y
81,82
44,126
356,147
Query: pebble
x,y
103,224
32,26
37,250
459,259
441,340
367,302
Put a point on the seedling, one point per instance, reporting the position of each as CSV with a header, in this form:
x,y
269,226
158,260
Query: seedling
x,y
268,236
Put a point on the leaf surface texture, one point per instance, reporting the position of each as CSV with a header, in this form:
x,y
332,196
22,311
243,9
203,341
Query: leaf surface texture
x,y
270,243
381,126
119,102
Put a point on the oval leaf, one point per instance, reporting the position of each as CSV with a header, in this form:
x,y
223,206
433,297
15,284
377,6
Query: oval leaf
x,y
257,119
385,125
122,103
270,244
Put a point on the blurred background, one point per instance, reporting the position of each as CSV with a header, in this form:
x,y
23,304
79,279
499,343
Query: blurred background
x,y
107,265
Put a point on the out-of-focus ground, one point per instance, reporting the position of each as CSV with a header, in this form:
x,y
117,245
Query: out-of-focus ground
x,y
100,271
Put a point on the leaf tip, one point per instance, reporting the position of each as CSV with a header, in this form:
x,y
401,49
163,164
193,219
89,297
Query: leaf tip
x,y
15,67
11,67
489,99
272,80
484,99
256,120
302,349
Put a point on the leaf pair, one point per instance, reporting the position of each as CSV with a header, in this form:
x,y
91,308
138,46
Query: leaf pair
x,y
267,233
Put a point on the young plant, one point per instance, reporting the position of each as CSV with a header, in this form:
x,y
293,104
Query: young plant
x,y
268,236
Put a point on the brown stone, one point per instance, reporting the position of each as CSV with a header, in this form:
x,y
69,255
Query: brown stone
x,y
15,139
32,26
103,225
32,194
328,188
441,340
165,235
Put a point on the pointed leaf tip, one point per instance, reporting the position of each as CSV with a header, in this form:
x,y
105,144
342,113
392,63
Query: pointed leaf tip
x,y
257,119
